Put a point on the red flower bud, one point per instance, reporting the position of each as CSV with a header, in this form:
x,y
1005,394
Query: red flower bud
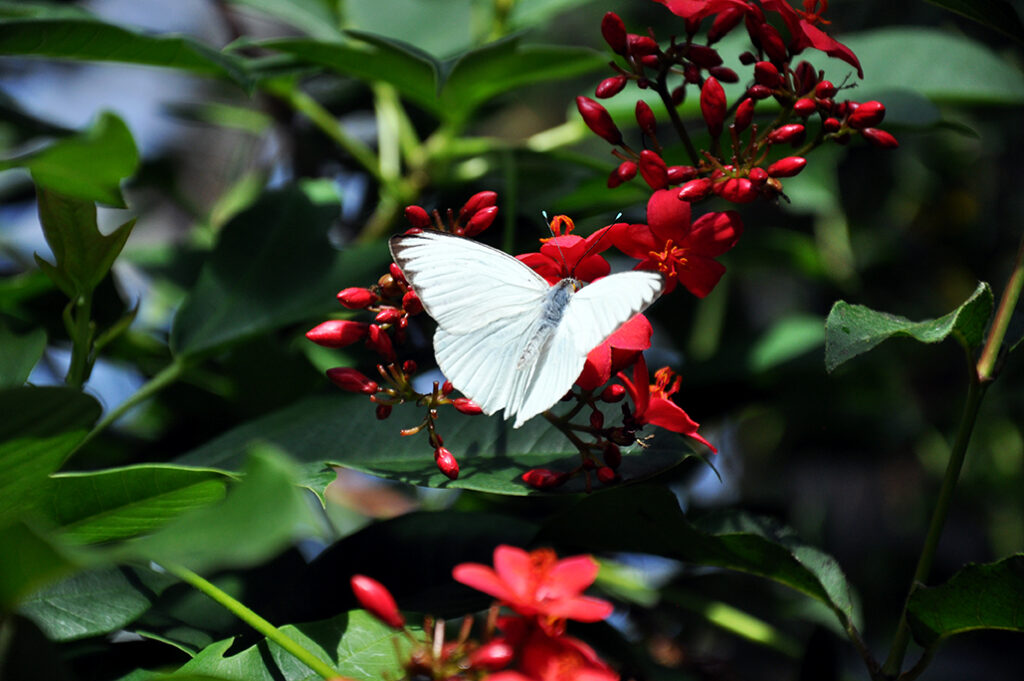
x,y
476,203
787,167
704,57
772,43
758,175
542,478
612,455
825,90
493,655
447,388
465,405
411,302
388,315
831,124
691,74
747,58
614,32
744,114
804,107
337,333
726,20
613,179
613,393
737,190
712,105
598,120
653,169
642,45
880,138
481,221
606,475
357,298
417,216
786,133
378,340
724,74
867,115
383,411
759,92
645,118
377,600
678,95
446,463
679,174
695,190
352,381
609,87
806,77
596,420
651,60
396,273
766,74
626,171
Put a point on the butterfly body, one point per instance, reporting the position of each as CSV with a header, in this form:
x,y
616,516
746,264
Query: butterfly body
x,y
506,338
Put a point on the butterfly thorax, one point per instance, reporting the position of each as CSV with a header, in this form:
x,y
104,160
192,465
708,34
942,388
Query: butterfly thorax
x,y
555,302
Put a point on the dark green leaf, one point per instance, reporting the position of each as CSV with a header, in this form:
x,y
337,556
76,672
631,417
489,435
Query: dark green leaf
x,y
20,354
94,603
225,534
273,265
851,330
354,643
648,520
88,166
998,15
342,430
39,429
84,255
29,562
986,596
123,502
89,39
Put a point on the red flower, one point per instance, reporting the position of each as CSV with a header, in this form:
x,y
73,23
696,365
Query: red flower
x,y
652,403
684,252
568,255
616,353
698,9
550,658
537,584
803,32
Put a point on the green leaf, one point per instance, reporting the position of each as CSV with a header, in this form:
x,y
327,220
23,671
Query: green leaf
x,y
30,561
117,503
647,519
88,166
997,15
40,427
273,265
342,430
355,644
225,534
20,354
851,330
95,602
84,255
87,38
790,338
317,18
985,596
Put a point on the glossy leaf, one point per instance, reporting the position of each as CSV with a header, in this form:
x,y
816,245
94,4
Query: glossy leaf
x,y
273,265
83,254
225,535
342,430
20,354
30,561
984,596
117,503
997,15
851,330
40,427
95,602
88,166
648,520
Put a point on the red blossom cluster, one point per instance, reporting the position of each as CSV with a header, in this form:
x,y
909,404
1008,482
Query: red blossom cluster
x,y
746,166
528,644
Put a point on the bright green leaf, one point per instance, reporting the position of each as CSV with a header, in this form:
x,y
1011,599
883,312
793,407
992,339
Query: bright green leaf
x,y
790,338
997,15
648,520
19,355
84,255
226,534
985,596
851,330
117,503
40,427
343,430
88,166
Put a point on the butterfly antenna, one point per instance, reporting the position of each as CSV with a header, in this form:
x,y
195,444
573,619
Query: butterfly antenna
x,y
595,244
547,221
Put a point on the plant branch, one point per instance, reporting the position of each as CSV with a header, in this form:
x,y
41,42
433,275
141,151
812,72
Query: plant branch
x,y
253,620
986,367
81,331
677,122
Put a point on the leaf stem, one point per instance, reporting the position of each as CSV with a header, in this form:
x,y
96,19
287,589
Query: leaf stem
x,y
677,122
81,332
986,367
253,620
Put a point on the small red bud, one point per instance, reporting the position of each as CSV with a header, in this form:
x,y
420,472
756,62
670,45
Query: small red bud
x,y
642,45
417,216
378,340
653,169
609,87
357,298
806,77
388,315
614,32
613,393
758,175
651,60
787,167
598,120
411,302
831,124
596,420
337,333
737,190
447,388
772,43
446,463
409,367
377,600
625,172
724,74
383,411
467,406
825,90
494,655
606,475
766,74
804,107
747,58
476,203
759,92
396,273
725,21
678,95
352,381
612,455
680,174
542,478
704,57
481,220
712,105
691,74
880,138
695,190
645,118
744,114
867,115
786,133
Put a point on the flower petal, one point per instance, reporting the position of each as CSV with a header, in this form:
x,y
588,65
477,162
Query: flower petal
x,y
482,578
701,275
715,233
668,217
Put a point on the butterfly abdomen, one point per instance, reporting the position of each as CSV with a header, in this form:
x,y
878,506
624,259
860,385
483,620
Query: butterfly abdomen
x,y
551,314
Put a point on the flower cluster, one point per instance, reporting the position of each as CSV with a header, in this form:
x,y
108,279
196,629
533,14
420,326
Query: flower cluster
x,y
745,166
527,644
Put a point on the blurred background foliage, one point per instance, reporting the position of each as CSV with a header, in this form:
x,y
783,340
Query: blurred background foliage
x,y
244,201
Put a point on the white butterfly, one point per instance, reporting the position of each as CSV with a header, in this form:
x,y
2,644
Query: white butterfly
x,y
505,337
